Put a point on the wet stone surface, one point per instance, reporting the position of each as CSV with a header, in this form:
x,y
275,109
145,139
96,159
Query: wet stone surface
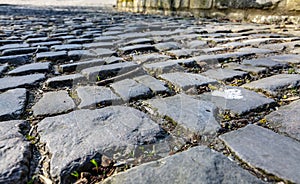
x,y
138,91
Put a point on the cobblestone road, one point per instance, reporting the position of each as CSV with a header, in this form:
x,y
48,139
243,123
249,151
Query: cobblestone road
x,y
86,93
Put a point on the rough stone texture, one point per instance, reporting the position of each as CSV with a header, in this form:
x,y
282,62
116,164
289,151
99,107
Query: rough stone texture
x,y
91,96
288,58
166,46
193,115
65,80
103,131
275,83
15,153
286,119
66,47
246,68
224,74
156,86
78,66
53,103
15,60
141,59
264,149
136,48
20,81
238,100
264,62
197,164
81,54
52,56
129,90
108,70
31,68
12,104
186,81
162,67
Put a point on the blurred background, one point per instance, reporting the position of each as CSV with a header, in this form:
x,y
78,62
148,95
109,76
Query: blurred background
x,y
61,2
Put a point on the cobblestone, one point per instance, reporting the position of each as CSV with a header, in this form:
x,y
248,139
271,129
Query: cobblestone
x,y
84,83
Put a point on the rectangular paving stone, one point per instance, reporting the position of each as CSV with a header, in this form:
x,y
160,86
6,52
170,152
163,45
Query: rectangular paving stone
x,y
264,62
266,150
198,164
20,81
91,96
105,45
15,152
46,44
287,58
136,48
106,71
12,104
186,81
275,83
52,56
165,46
156,86
20,51
79,41
224,74
13,46
129,90
53,103
256,51
66,47
162,67
78,66
246,68
286,119
16,59
31,68
65,80
238,101
101,52
148,58
195,116
81,54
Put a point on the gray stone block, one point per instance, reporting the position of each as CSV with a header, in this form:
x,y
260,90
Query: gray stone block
x,y
197,165
15,153
21,81
286,119
12,104
266,150
106,131
195,116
